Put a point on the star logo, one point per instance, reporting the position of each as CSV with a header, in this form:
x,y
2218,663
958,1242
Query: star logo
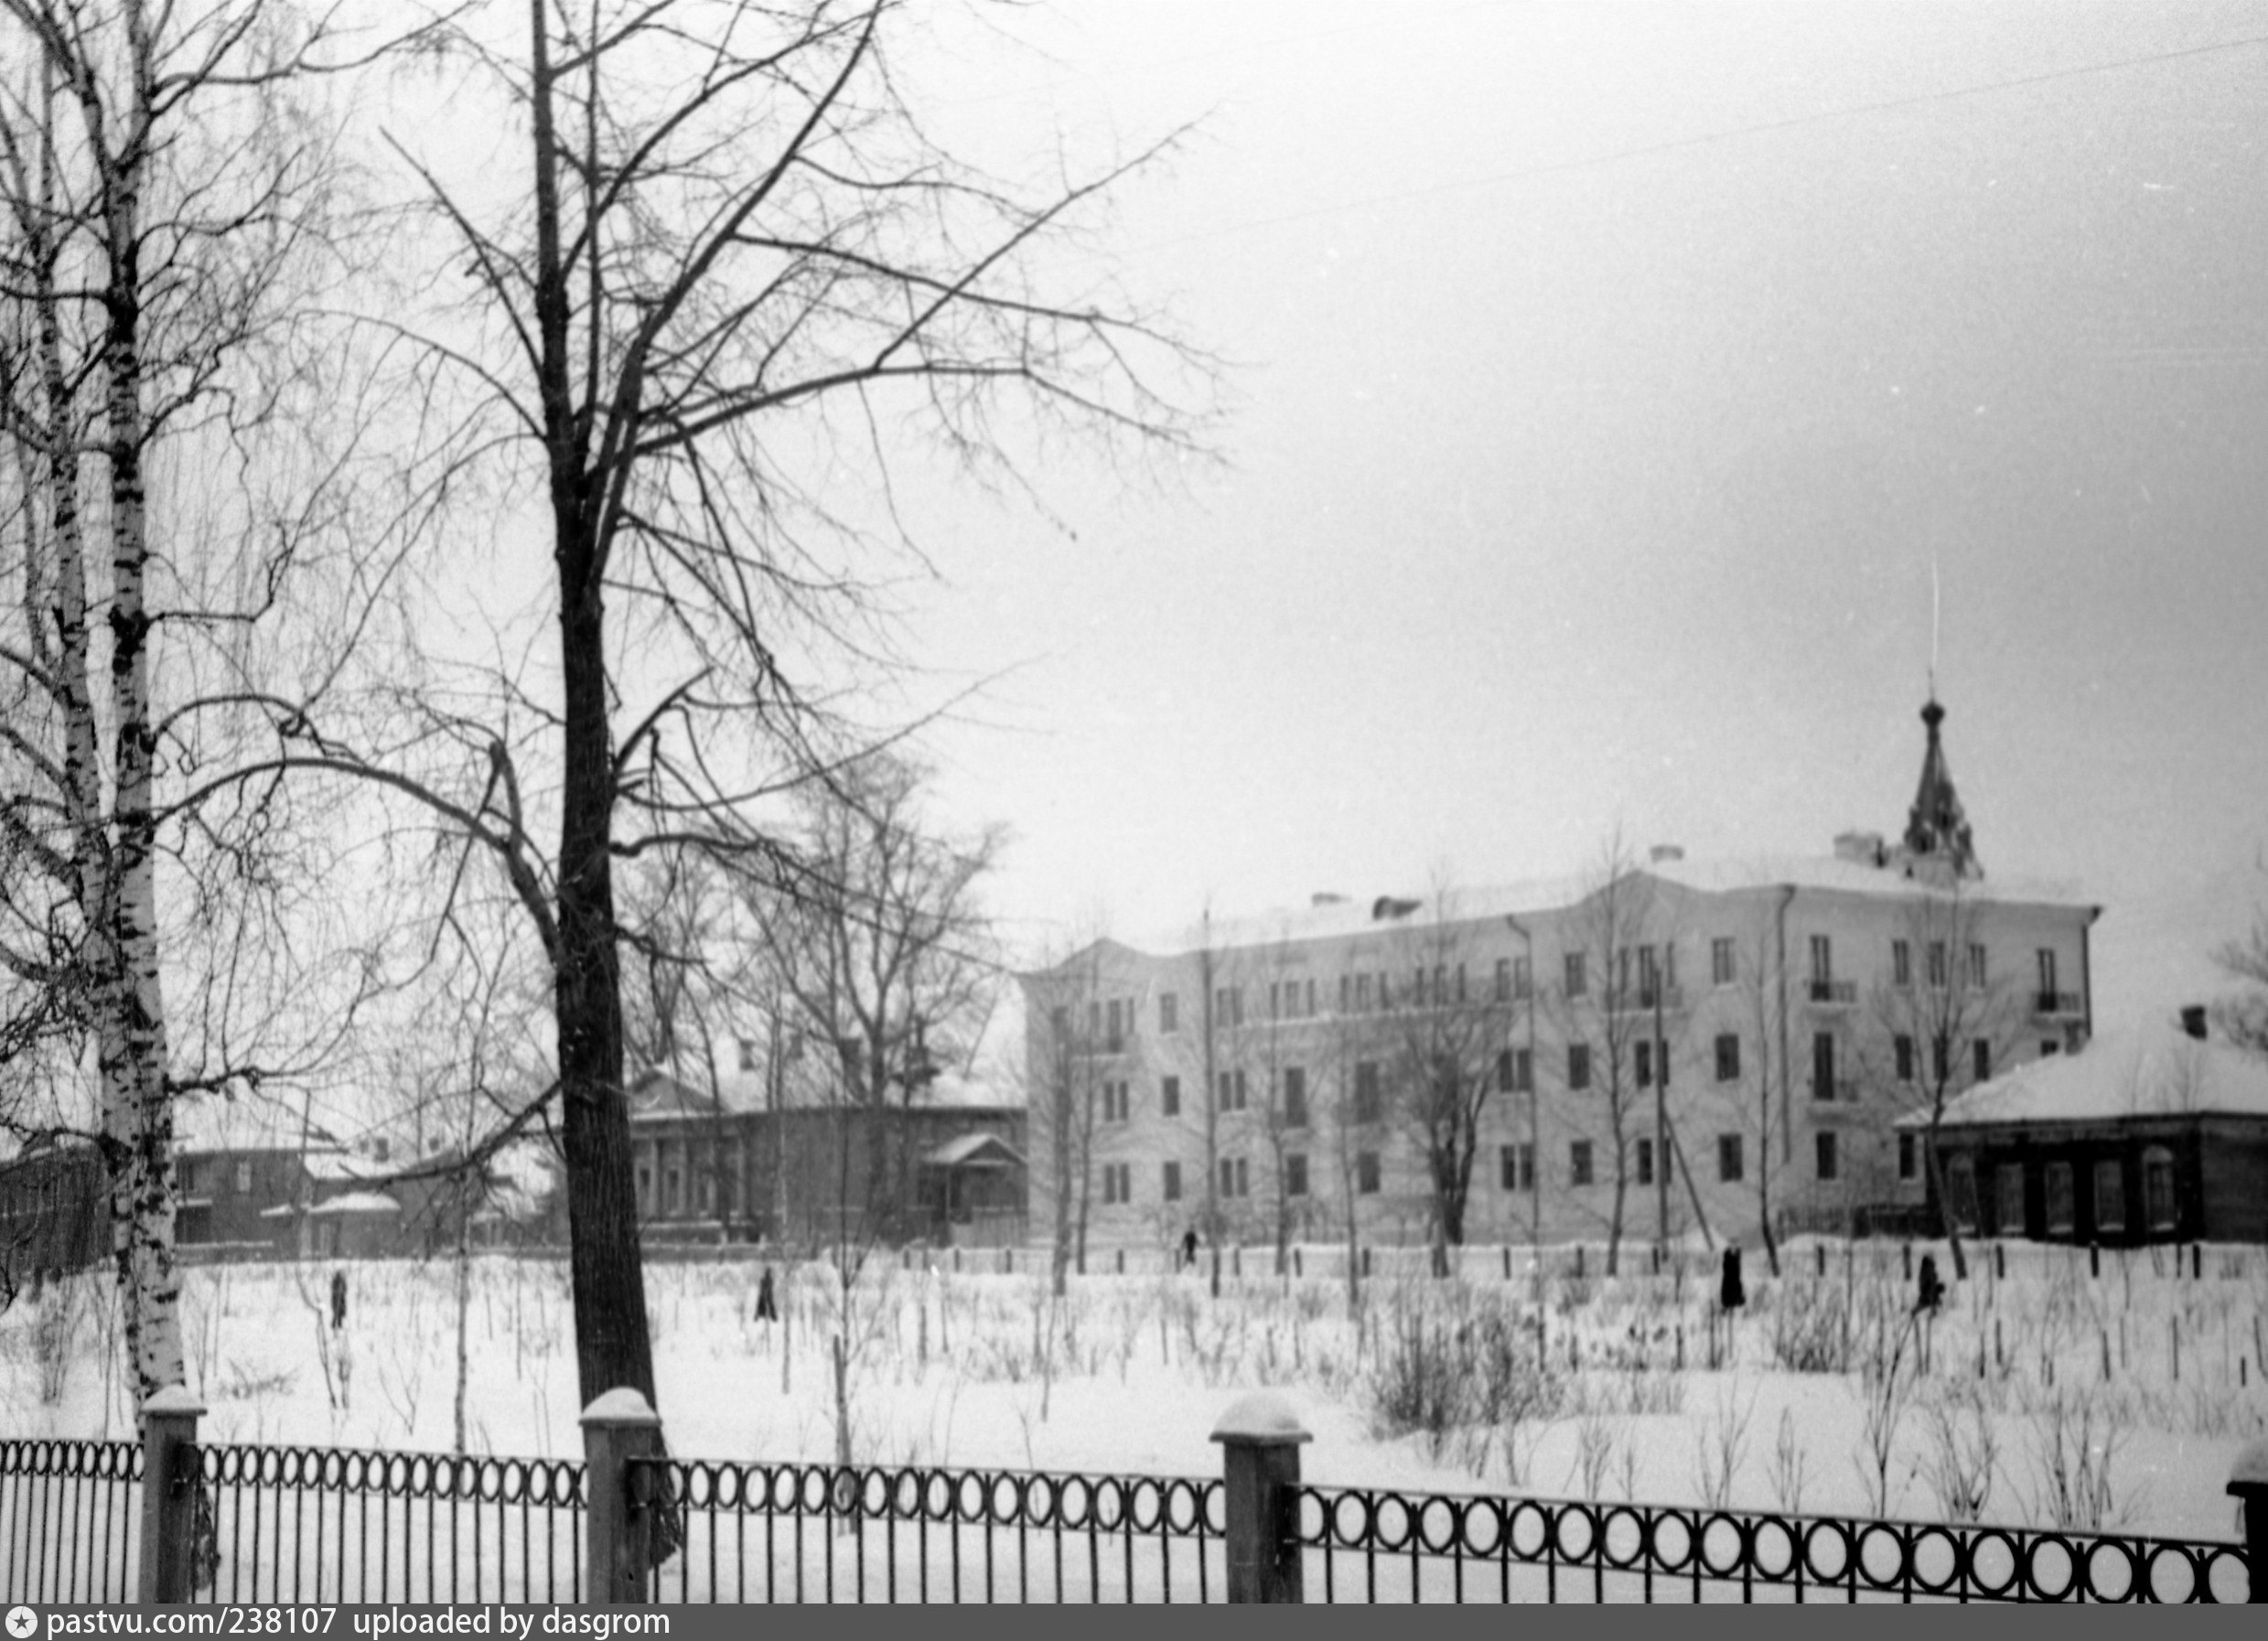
x,y
22,1622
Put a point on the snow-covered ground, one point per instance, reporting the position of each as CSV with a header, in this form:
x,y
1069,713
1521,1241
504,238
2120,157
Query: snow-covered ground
x,y
1130,1374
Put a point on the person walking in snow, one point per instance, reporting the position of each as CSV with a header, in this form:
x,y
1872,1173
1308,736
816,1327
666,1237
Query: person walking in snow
x,y
339,1300
1930,1292
766,1310
1189,1247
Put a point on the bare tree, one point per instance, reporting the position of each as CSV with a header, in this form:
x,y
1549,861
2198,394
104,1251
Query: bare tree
x,y
1606,1000
1448,1030
165,187
740,258
2243,1016
881,951
1756,1087
1944,1017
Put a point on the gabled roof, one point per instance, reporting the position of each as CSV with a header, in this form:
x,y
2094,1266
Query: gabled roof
x,y
2156,1072
974,1151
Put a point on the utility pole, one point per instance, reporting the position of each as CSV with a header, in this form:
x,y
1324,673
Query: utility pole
x,y
1661,1114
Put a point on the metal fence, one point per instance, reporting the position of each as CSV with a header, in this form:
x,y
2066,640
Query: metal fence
x,y
247,1524
70,1519
1365,1545
313,1523
786,1533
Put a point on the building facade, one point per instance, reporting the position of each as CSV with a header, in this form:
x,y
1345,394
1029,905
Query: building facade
x,y
2158,1135
1668,1045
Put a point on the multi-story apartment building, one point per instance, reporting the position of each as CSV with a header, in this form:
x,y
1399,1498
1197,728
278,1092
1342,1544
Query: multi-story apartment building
x,y
1663,1043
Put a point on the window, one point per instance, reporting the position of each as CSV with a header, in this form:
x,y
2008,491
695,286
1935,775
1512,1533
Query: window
x,y
1503,979
1169,1014
1822,960
1170,1178
1578,1065
2157,1188
1579,1162
1117,1183
1905,1158
645,1187
244,1176
1524,983
1362,994
1169,1096
1937,964
1981,1054
1823,1155
670,1183
1515,1072
1940,1058
1311,997
1228,1005
747,1054
1645,1162
1294,1097
2008,1200
1976,964
1368,1102
1728,1158
1228,1177
1901,963
1366,1173
2110,1196
1721,960
1275,1000
1243,1183
1295,1175
1230,1094
1822,1065
1346,994
1728,1057
2060,1217
1961,1192
1643,1054
1578,980
2047,959
1116,1034
1519,1166
1904,1047
1460,982
185,1175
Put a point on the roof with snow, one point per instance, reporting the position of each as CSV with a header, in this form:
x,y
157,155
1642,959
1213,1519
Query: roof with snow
x,y
2158,1071
355,1202
974,1151
1336,916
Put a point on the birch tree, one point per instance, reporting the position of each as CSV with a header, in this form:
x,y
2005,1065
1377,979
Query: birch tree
x,y
164,187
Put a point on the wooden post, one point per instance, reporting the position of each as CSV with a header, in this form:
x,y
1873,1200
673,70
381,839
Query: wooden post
x,y
619,1426
169,1510
1259,1439
2248,1482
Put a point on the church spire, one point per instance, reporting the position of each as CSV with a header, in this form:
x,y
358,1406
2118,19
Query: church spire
x,y
1936,829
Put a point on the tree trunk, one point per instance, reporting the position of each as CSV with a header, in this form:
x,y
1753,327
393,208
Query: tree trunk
x,y
1944,1201
134,1073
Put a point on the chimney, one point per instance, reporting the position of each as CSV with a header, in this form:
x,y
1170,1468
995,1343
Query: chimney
x,y
2193,1020
1666,852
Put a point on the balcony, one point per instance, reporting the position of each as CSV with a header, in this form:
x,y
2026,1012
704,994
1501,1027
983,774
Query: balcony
x,y
1831,993
2057,1005
1642,999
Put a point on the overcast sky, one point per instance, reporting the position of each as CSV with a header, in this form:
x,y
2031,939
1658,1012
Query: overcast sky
x,y
1610,379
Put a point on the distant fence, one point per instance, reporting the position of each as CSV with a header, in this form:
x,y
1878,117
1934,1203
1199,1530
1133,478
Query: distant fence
x,y
167,1520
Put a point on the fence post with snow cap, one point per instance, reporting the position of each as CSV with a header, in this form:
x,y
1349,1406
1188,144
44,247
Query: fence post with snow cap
x,y
1260,1438
2248,1483
169,1510
619,1426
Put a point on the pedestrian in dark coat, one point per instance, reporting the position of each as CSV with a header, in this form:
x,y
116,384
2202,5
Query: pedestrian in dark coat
x,y
1189,1247
1731,1294
766,1310
339,1300
1930,1292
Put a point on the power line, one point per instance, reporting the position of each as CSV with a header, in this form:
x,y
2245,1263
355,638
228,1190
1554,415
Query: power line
x,y
1677,145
